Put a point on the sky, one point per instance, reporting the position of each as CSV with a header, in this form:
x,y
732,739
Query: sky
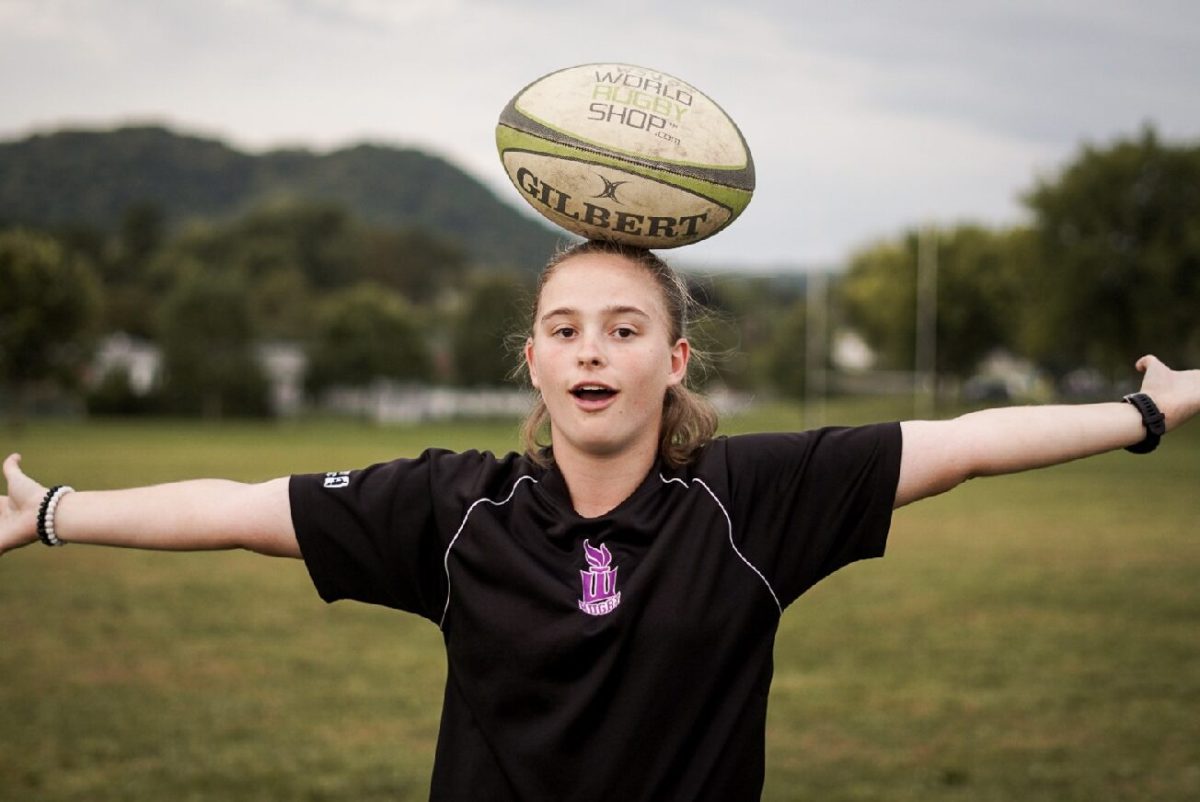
x,y
864,118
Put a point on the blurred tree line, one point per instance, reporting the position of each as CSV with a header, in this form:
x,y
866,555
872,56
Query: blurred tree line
x,y
1107,269
364,302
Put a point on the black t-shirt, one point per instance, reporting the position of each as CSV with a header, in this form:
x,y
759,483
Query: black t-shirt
x,y
626,656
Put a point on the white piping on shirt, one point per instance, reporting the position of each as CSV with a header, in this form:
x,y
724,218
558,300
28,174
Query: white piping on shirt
x,y
461,526
729,525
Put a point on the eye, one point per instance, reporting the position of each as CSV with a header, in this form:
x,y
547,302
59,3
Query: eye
x,y
565,332
624,332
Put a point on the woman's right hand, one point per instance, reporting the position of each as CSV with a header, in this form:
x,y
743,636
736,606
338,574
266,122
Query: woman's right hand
x,y
19,509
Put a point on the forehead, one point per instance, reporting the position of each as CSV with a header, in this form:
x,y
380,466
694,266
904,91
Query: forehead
x,y
596,281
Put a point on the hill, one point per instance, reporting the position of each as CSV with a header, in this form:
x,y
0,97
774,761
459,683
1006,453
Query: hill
x,y
91,177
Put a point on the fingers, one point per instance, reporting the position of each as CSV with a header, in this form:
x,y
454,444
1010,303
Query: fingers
x,y
17,508
21,490
1148,361
12,470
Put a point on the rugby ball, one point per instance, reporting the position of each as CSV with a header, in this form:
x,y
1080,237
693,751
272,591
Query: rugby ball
x,y
618,152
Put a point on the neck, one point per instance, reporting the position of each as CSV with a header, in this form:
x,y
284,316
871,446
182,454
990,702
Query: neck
x,y
598,483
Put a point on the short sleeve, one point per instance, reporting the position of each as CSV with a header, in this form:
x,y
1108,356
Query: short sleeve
x,y
806,504
378,535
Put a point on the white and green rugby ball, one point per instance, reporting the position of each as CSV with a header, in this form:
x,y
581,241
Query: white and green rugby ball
x,y
618,152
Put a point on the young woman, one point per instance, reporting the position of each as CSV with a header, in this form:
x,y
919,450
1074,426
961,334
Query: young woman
x,y
609,602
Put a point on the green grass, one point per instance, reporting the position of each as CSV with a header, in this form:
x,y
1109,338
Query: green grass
x,y
1032,637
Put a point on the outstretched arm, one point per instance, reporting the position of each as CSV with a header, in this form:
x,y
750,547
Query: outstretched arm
x,y
195,515
940,455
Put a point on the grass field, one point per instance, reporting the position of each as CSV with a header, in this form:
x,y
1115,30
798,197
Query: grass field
x,y
1034,637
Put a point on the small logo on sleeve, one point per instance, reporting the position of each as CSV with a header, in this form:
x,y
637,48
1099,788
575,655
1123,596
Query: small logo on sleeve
x,y
337,479
600,594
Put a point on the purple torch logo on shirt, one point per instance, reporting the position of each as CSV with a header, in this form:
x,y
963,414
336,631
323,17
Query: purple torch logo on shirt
x,y
600,594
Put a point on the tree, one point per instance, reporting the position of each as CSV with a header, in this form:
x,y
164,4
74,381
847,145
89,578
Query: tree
x,y
317,239
50,299
492,311
364,333
124,266
209,366
417,263
283,253
879,297
142,232
979,286
290,250
979,290
1118,237
786,355
739,325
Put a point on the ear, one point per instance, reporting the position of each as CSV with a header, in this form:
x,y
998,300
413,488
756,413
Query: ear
x,y
529,365
681,352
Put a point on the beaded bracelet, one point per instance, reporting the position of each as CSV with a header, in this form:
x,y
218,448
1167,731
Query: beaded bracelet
x,y
45,519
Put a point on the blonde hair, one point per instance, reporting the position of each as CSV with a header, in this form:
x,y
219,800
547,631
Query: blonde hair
x,y
688,420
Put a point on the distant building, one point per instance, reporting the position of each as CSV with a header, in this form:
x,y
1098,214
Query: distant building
x,y
284,364
385,401
140,360
851,353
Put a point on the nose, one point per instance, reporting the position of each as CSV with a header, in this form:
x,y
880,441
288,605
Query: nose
x,y
590,351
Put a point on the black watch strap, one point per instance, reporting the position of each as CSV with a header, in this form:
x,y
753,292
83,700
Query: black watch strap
x,y
1154,421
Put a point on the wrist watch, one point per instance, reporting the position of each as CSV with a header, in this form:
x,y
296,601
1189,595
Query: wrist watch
x,y
1154,421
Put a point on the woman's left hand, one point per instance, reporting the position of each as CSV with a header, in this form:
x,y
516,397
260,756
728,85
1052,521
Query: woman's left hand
x,y
1176,393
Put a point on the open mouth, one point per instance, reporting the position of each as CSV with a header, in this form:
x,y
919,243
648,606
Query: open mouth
x,y
593,392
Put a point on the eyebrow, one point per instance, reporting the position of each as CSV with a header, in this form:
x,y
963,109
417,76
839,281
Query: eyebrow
x,y
566,311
